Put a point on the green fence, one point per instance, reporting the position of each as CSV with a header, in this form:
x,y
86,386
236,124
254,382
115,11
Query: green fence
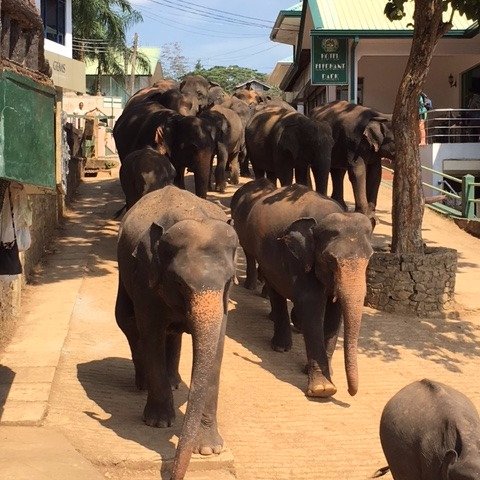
x,y
465,197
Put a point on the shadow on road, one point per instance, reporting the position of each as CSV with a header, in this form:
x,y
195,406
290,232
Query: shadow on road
x,y
110,384
86,238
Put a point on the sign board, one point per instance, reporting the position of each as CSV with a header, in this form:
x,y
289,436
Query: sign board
x,y
329,61
66,72
27,130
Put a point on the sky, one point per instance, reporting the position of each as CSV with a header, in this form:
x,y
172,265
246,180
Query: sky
x,y
214,31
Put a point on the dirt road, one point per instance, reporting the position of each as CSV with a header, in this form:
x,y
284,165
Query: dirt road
x,y
272,430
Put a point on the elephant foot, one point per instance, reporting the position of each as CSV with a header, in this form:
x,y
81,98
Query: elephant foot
x,y
159,414
175,380
220,187
208,441
264,293
281,344
234,178
250,284
318,385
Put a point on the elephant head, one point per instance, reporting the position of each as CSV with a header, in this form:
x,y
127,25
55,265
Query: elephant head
x,y
189,144
378,134
191,266
199,87
180,102
216,95
337,249
455,468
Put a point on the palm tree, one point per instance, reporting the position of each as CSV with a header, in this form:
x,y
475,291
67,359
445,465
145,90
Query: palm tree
x,y
99,31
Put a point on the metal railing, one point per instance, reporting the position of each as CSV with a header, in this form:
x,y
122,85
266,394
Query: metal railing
x,y
447,125
462,204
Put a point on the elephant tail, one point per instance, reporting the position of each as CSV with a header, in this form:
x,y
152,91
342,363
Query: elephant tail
x,y
381,472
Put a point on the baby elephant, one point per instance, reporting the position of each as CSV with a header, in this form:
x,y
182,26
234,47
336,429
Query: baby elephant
x,y
144,171
430,431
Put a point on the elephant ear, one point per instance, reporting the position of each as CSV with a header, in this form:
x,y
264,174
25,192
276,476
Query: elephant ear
x,y
298,238
374,132
449,459
148,246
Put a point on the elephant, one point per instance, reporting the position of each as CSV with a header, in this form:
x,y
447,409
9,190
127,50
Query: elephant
x,y
362,137
147,92
216,95
241,108
279,140
229,137
176,260
187,141
199,87
251,96
144,171
310,251
430,431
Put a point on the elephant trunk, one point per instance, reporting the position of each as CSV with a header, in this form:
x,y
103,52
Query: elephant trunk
x,y
351,290
207,319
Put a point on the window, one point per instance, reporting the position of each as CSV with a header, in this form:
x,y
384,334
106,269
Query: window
x,y
53,16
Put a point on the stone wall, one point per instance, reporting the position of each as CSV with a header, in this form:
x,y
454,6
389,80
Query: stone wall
x,y
45,221
422,285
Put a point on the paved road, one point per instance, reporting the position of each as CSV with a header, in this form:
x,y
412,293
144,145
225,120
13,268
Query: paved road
x,y
272,431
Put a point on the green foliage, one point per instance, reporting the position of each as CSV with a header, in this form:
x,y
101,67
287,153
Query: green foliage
x,y
102,24
395,9
228,77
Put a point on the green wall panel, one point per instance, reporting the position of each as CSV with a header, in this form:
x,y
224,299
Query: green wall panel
x,y
27,130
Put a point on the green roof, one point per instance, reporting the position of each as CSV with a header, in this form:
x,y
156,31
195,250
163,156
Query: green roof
x,y
367,15
152,53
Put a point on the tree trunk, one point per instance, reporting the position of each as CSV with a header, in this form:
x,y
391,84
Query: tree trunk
x,y
408,198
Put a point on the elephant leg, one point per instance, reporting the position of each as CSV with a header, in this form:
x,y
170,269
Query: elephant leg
x,y
252,274
220,178
174,347
125,316
302,176
285,176
320,174
374,177
338,174
358,178
179,180
234,169
272,176
243,162
208,440
202,175
310,308
259,172
159,410
333,320
282,333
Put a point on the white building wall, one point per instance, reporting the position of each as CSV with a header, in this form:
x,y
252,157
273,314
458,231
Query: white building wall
x,y
65,50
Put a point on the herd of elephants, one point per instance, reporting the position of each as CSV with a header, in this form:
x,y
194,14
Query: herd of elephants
x,y
177,258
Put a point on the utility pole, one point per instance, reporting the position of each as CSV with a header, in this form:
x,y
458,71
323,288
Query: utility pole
x,y
133,63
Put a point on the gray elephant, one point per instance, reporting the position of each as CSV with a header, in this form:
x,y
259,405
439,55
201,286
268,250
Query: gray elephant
x,y
199,87
362,137
187,140
229,137
145,93
144,171
430,431
314,253
176,260
280,141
